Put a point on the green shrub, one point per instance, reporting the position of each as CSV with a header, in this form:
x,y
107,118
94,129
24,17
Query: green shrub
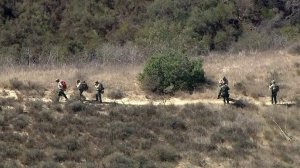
x,y
171,71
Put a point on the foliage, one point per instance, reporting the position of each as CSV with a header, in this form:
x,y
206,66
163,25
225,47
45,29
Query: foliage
x,y
171,71
46,31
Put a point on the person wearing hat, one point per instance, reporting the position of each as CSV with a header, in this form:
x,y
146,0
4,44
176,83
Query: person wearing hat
x,y
62,86
99,90
274,89
224,93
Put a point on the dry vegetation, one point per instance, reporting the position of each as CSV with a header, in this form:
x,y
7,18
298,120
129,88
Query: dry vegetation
x,y
35,133
249,75
81,135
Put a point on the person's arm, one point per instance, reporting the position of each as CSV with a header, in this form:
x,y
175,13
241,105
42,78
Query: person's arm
x,y
97,86
219,95
270,86
60,86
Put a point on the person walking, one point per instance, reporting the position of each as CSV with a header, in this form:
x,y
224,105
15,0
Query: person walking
x,y
274,88
224,93
62,86
99,90
223,81
82,86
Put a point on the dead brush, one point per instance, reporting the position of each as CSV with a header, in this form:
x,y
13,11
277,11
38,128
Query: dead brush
x,y
116,94
34,156
21,122
118,159
28,87
7,101
165,153
76,106
35,106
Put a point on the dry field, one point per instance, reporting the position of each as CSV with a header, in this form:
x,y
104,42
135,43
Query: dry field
x,y
36,132
249,75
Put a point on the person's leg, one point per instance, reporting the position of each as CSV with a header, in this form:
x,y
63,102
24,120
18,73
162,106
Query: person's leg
x,y
275,98
272,99
97,95
80,94
58,96
224,99
63,94
100,98
227,99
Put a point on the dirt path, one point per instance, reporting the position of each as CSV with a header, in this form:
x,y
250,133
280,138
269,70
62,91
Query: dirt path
x,y
142,100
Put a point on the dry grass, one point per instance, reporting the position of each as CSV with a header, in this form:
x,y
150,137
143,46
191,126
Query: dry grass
x,y
77,134
250,73
112,77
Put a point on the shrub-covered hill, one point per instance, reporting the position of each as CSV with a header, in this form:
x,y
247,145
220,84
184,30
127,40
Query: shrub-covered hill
x,y
64,30
79,135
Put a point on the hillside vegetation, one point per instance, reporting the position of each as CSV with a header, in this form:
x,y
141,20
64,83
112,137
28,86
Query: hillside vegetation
x,y
124,132
45,31
83,135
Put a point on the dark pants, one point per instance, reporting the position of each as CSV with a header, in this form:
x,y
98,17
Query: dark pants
x,y
226,99
98,96
274,98
62,93
81,95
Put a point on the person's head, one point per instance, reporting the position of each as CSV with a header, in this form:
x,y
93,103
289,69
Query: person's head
x,y
221,82
96,83
57,80
273,82
78,81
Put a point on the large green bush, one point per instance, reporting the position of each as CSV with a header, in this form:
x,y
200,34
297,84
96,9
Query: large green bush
x,y
171,71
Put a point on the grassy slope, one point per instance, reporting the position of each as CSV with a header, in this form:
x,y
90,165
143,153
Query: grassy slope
x,y
86,135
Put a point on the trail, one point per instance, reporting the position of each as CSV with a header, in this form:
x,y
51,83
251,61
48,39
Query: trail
x,y
139,100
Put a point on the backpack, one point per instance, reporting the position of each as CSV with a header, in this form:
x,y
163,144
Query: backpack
x,y
101,88
64,85
276,88
84,86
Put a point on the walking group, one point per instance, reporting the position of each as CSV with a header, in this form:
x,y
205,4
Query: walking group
x,y
81,86
224,90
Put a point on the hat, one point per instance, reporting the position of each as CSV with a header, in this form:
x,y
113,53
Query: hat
x,y
273,81
96,82
57,80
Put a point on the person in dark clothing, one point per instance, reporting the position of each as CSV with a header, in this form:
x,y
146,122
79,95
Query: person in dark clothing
x,y
224,92
99,90
82,86
223,81
61,89
274,90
